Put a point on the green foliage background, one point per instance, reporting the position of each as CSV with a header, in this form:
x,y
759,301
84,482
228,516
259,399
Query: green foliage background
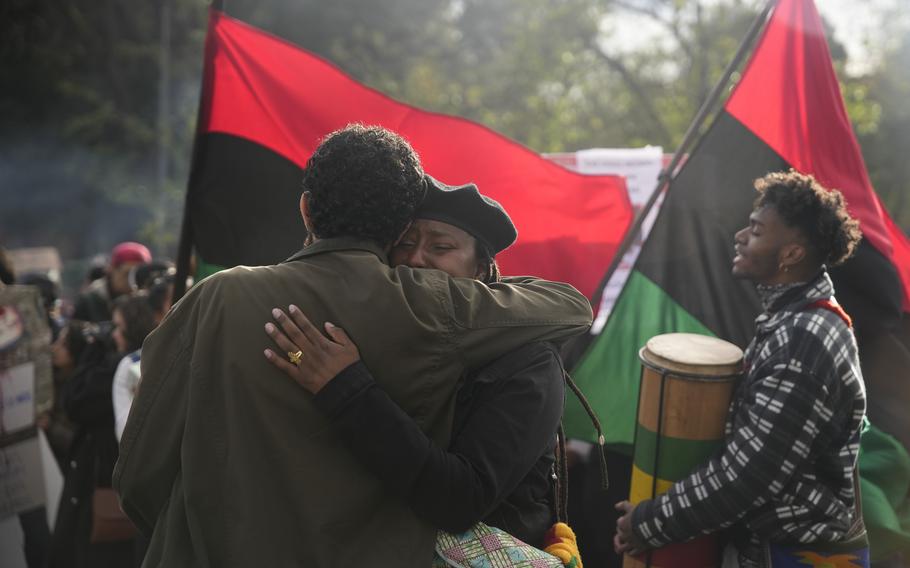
x,y
87,158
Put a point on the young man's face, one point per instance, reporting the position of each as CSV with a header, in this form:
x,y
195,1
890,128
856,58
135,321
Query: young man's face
x,y
759,246
434,244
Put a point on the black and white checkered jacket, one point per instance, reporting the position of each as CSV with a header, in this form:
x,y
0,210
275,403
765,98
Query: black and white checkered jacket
x,y
785,471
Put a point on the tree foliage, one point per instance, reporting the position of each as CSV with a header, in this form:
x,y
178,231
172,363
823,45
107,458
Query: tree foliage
x,y
878,107
81,135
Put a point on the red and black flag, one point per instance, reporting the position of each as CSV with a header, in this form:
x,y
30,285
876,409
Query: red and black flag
x,y
267,103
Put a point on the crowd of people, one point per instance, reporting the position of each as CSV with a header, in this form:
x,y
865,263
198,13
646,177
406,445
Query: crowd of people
x,y
432,393
95,350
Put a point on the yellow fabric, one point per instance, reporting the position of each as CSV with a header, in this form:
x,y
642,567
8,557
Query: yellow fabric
x,y
562,543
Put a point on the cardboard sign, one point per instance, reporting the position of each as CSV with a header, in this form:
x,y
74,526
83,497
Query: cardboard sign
x,y
26,376
17,398
30,478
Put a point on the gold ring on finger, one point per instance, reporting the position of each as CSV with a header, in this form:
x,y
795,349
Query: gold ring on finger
x,y
294,356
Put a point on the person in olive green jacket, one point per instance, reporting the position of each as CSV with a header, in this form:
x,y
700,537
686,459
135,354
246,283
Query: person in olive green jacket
x,y
225,464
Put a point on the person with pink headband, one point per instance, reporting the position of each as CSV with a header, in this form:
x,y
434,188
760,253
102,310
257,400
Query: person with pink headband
x,y
95,303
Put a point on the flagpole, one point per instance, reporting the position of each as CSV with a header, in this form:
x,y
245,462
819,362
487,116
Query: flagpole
x,y
668,174
185,245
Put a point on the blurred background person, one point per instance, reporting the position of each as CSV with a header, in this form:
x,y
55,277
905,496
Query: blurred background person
x,y
96,271
96,302
161,296
66,352
134,318
50,295
144,276
87,399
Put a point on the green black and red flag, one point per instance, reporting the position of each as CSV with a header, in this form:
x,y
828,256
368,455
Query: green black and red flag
x,y
785,112
267,103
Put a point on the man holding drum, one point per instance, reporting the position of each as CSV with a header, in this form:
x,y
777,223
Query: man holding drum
x,y
784,480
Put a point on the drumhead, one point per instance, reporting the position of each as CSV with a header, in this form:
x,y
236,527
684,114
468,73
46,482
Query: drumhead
x,y
693,354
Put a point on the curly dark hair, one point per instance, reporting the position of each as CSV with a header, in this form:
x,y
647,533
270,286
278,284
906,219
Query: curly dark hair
x,y
363,181
819,214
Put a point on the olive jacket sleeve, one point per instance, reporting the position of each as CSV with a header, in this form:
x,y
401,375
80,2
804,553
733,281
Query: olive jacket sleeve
x,y
490,320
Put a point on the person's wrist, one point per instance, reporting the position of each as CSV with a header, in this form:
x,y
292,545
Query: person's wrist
x,y
318,383
335,394
639,515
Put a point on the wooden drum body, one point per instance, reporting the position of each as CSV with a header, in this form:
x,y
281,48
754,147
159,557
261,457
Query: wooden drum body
x,y
687,381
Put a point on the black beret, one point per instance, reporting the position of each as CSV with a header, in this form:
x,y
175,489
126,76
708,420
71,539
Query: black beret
x,y
466,208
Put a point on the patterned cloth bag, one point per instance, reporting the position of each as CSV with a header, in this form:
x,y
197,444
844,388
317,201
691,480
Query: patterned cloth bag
x,y
483,546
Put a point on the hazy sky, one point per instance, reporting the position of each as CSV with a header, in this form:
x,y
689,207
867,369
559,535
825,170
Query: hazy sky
x,y
857,25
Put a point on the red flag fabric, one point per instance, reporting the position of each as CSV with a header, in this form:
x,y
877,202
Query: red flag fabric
x,y
273,93
812,131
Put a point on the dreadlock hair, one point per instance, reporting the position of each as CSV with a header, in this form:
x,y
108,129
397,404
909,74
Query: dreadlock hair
x,y
363,181
487,259
819,214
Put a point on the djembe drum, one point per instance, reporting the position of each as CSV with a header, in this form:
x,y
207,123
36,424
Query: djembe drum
x,y
686,384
